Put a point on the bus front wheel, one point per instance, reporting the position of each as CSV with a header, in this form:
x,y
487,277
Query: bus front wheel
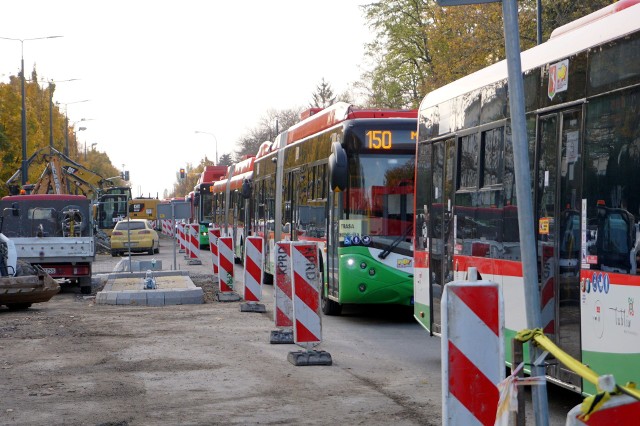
x,y
329,307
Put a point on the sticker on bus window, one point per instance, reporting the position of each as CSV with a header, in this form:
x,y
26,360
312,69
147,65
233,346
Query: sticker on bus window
x,y
558,78
543,226
350,228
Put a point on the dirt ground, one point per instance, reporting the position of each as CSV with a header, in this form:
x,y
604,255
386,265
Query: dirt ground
x,y
70,361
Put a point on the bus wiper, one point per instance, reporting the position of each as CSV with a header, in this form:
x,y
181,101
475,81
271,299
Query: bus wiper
x,y
395,243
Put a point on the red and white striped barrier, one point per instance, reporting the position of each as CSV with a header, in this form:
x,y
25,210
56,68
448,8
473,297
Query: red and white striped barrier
x,y
307,325
167,229
225,263
253,261
618,410
214,234
283,312
183,246
193,230
472,352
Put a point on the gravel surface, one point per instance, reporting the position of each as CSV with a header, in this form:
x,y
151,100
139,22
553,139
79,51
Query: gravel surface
x,y
70,361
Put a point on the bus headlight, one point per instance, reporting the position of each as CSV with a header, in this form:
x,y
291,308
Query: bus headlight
x,y
350,262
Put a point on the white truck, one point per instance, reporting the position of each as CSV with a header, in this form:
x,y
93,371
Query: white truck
x,y
53,232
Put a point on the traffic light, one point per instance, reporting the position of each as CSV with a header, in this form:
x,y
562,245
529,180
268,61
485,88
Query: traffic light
x,y
183,174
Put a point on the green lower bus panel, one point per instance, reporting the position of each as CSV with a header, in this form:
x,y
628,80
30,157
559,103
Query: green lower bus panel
x,y
624,367
364,279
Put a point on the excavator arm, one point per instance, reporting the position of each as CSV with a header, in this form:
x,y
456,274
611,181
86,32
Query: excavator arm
x,y
61,174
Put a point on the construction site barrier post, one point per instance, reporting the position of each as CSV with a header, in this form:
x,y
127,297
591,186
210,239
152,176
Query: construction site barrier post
x,y
194,243
283,306
253,274
225,271
214,234
180,235
307,323
473,361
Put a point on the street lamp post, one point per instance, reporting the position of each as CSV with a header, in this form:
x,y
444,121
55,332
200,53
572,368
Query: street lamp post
x,y
52,85
66,124
215,139
24,169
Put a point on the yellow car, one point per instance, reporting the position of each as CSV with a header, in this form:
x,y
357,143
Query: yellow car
x,y
135,235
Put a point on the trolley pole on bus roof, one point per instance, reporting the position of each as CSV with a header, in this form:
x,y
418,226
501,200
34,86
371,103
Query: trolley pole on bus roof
x,y
523,194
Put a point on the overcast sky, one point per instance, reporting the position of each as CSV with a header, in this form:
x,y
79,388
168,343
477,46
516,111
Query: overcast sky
x,y
156,71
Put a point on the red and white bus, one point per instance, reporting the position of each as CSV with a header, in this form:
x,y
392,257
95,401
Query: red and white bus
x,y
582,99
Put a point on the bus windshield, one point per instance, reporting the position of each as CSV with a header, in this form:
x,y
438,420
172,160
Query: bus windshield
x,y
381,194
206,206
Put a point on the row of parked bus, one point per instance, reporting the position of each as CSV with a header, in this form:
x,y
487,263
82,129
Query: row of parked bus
x,y
402,202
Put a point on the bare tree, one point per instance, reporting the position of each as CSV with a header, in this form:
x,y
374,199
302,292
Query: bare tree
x,y
323,96
271,123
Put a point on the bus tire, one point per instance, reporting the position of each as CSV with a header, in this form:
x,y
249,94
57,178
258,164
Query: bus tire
x,y
329,307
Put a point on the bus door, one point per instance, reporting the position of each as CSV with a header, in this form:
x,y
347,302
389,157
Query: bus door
x,y
558,212
291,203
441,225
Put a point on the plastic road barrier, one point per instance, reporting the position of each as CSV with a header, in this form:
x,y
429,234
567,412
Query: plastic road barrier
x,y
253,261
283,312
225,263
472,352
214,234
194,243
307,326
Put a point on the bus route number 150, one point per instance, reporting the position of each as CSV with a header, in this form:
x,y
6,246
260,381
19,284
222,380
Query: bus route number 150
x,y
379,139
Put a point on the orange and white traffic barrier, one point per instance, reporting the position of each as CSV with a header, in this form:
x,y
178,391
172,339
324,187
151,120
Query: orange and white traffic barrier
x,y
167,228
253,261
307,326
214,234
618,410
307,323
180,235
472,318
185,240
283,312
225,263
193,230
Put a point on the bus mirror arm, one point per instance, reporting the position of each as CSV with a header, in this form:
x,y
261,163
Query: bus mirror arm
x,y
246,189
338,167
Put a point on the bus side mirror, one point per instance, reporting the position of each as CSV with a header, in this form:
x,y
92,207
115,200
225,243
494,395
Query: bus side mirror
x,y
337,167
246,189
